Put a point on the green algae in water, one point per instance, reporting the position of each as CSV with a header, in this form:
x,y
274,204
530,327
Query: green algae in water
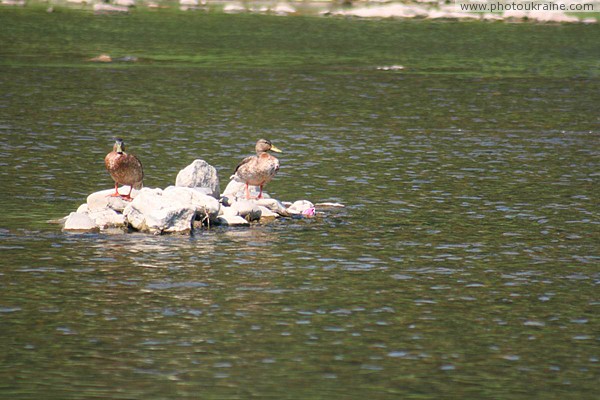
x,y
69,37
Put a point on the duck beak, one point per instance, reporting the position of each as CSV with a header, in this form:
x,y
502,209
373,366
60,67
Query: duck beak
x,y
275,149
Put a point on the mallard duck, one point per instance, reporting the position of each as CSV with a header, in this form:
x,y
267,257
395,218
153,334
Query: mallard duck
x,y
125,169
258,170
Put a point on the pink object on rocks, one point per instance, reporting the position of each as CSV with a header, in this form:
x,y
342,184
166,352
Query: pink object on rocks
x,y
309,212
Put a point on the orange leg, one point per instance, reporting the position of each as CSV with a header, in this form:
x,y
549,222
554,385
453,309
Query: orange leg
x,y
260,193
247,192
127,197
116,193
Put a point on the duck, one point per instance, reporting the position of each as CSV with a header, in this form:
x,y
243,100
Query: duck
x,y
258,170
125,169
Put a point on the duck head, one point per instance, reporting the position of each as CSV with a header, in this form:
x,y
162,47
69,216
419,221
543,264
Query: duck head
x,y
264,145
119,146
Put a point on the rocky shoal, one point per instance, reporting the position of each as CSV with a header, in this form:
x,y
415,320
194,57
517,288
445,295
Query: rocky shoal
x,y
193,202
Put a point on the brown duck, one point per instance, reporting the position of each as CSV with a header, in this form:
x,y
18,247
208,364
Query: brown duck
x,y
125,169
258,170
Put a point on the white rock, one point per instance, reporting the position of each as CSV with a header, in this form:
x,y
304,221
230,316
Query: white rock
x,y
514,14
259,9
237,190
551,16
298,207
103,199
391,68
247,209
266,213
199,174
492,17
232,220
386,11
79,222
244,207
228,211
274,206
124,3
101,8
329,205
234,187
19,3
107,218
283,9
446,14
152,212
197,198
83,209
234,8
203,190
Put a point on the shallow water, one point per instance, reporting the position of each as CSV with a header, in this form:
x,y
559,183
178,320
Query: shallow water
x,y
465,264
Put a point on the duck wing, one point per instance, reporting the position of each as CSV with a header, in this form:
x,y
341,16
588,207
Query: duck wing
x,y
243,162
136,170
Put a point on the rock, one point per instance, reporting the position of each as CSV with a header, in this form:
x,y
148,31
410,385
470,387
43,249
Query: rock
x,y
300,207
234,189
283,9
244,207
232,220
153,212
253,215
329,205
261,9
247,209
386,11
102,200
449,14
228,211
391,67
233,8
109,8
124,3
227,201
83,209
514,14
274,206
128,59
101,58
79,222
18,3
203,204
199,174
203,190
59,221
265,213
237,190
551,16
108,219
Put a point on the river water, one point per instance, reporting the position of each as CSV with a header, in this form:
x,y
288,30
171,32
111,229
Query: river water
x,y
464,265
